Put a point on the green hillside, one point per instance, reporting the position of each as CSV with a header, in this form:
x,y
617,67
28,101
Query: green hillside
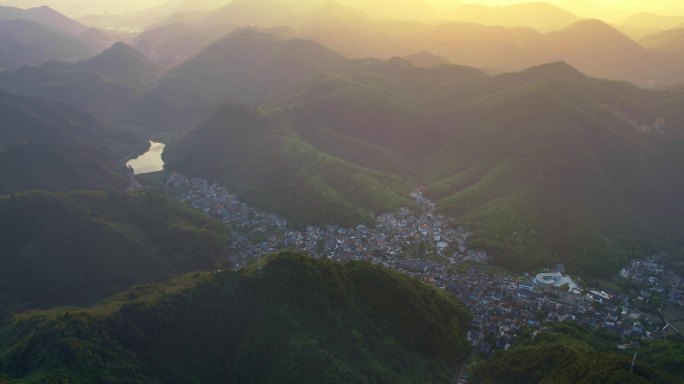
x,y
120,63
296,320
58,167
74,248
32,119
272,168
266,64
548,172
364,112
54,146
568,354
545,165
27,42
104,85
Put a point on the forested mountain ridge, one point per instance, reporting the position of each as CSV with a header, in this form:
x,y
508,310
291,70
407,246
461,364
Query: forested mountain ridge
x,y
79,247
295,320
596,176
54,146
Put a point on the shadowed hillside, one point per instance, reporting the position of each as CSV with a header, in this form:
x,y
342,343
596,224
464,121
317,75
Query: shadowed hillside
x,y
297,320
105,85
26,42
568,354
57,147
76,248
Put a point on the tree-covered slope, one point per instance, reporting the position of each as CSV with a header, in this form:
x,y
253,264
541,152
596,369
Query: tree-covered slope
x,y
73,248
247,65
272,168
560,171
54,146
567,354
58,167
296,320
26,42
120,63
104,85
366,112
546,165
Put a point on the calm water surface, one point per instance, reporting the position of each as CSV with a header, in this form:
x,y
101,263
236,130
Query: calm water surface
x,y
150,161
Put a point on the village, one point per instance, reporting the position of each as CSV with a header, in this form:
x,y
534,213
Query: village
x,y
423,244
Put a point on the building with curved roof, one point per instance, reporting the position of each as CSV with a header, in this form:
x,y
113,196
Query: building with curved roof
x,y
554,279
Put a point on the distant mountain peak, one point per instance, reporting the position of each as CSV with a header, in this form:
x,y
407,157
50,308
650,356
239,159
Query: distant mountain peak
x,y
536,15
253,32
558,70
49,16
46,9
593,31
425,58
120,62
592,23
122,48
597,27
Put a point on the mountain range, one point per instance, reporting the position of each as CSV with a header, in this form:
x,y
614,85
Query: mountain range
x,y
46,16
543,17
35,35
104,85
544,137
320,138
504,38
669,41
601,135
26,42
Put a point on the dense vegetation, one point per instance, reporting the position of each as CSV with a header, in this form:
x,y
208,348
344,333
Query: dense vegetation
x,y
545,165
75,248
296,320
55,146
272,168
104,85
570,354
28,42
542,170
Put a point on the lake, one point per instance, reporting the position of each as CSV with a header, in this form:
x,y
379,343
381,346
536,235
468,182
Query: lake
x,y
150,161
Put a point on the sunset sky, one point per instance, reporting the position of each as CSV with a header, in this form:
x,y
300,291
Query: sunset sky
x,y
582,7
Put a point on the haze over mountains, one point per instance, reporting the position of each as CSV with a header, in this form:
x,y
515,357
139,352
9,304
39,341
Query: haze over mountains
x,y
380,125
498,38
506,38
546,134
462,114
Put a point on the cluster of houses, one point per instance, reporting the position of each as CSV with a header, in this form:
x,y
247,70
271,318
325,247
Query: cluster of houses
x,y
503,306
423,244
652,278
217,201
257,233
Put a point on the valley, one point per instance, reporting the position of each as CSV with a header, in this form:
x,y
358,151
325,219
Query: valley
x,y
420,243
312,191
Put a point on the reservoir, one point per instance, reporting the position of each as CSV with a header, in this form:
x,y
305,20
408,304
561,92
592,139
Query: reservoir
x,y
150,161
